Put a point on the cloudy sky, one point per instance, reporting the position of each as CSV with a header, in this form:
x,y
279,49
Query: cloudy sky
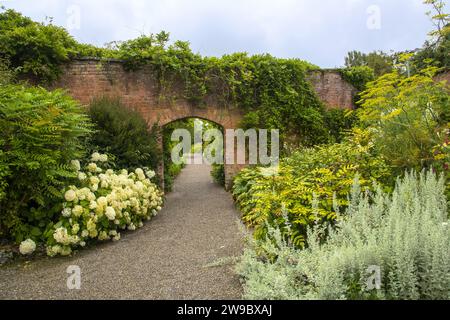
x,y
320,31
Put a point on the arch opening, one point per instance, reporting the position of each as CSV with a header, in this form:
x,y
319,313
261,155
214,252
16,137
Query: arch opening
x,y
192,141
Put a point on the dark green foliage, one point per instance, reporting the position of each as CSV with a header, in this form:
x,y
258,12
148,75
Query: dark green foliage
x,y
218,174
123,133
358,76
339,122
380,62
41,133
6,74
37,49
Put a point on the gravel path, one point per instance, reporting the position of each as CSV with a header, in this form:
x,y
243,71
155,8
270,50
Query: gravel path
x,y
166,259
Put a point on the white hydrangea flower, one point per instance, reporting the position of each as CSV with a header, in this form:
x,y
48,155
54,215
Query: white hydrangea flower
x,y
77,211
94,180
75,164
110,213
84,233
140,173
103,236
75,228
54,250
61,236
102,201
103,158
93,205
27,247
82,176
150,174
92,167
95,157
67,212
70,195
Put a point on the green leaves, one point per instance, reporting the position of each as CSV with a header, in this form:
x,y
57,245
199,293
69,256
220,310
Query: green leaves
x,y
41,134
124,134
309,184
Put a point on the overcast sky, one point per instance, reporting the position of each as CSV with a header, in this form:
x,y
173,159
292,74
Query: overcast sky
x,y
319,31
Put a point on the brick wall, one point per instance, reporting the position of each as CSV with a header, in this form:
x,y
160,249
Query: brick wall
x,y
332,89
88,79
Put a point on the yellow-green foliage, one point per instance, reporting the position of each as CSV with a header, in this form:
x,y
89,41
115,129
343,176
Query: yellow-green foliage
x,y
308,185
409,116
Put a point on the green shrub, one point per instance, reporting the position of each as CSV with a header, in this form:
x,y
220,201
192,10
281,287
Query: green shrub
x,y
35,48
40,134
338,122
218,174
6,74
124,134
405,234
322,176
409,117
358,76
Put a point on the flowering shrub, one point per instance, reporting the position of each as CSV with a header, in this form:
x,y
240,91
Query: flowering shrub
x,y
103,203
27,247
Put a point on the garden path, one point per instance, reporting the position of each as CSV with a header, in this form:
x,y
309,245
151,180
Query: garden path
x,y
168,258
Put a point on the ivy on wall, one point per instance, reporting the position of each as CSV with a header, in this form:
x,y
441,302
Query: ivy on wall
x,y
274,93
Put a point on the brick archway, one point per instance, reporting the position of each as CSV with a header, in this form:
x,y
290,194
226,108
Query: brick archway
x,y
90,78
226,118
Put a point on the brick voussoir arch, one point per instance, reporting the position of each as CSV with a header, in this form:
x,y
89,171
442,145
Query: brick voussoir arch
x,y
89,78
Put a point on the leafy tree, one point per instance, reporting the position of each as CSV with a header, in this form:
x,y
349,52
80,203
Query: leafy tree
x,y
35,48
379,61
437,48
409,116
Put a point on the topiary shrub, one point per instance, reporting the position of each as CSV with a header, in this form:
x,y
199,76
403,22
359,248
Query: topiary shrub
x,y
404,236
41,134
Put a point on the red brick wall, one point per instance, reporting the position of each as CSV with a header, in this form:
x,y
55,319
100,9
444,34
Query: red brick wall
x,y
88,79
332,89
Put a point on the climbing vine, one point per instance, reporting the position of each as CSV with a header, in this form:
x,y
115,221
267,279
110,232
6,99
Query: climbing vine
x,y
274,93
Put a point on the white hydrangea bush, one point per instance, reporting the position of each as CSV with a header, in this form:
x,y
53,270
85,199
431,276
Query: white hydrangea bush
x,y
103,203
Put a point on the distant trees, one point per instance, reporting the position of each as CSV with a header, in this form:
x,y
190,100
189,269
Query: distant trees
x,y
379,61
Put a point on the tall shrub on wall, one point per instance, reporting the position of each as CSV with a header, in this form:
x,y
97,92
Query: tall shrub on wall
x,y
40,135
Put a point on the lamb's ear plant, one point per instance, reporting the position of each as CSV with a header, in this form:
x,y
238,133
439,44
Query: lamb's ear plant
x,y
404,235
